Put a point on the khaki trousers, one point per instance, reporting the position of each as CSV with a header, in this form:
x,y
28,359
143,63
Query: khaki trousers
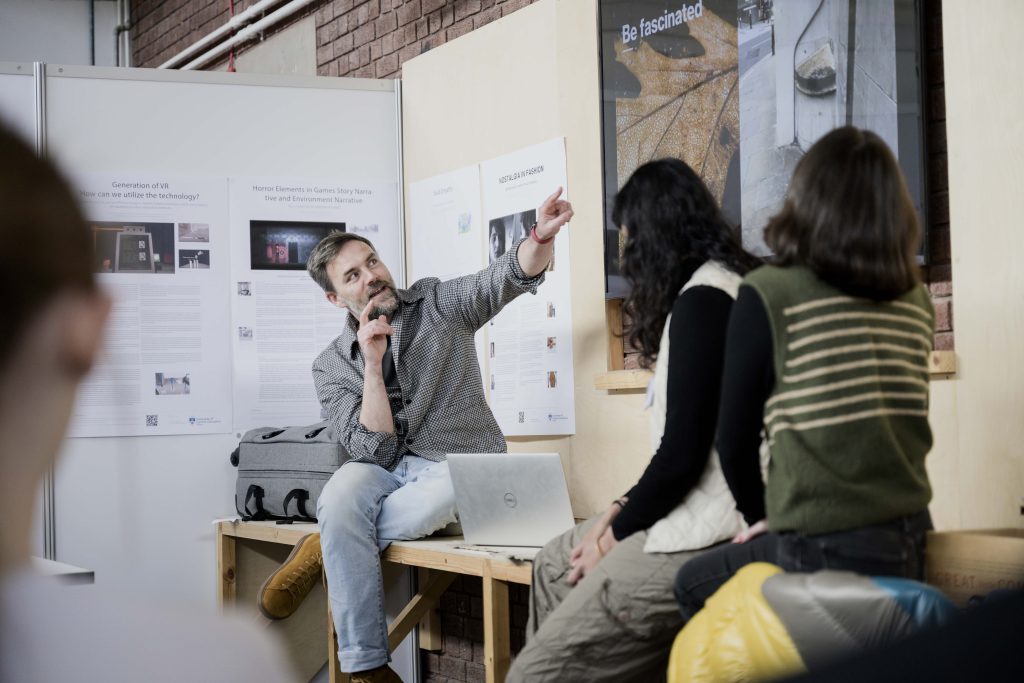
x,y
617,624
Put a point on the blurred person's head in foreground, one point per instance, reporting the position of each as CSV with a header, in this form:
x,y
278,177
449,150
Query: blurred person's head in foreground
x,y
53,320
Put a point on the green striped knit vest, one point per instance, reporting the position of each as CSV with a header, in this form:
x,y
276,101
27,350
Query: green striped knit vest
x,y
847,420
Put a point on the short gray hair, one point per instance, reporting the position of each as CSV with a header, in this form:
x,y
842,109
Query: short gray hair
x,y
325,251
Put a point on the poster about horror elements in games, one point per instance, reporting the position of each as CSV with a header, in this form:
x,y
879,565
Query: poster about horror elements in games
x,y
670,88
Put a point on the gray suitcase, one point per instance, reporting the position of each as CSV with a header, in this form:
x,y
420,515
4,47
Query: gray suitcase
x,y
281,471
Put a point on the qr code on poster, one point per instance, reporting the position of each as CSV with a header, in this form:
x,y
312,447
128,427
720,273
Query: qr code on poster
x,y
152,421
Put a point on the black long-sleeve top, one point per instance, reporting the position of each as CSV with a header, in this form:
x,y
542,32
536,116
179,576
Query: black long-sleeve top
x,y
697,333
747,381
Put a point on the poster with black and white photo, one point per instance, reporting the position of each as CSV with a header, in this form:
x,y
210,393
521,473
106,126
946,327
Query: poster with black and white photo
x,y
160,248
530,371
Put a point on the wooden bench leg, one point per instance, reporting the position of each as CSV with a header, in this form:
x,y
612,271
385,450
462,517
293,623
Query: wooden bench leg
x,y
424,601
225,569
430,625
497,648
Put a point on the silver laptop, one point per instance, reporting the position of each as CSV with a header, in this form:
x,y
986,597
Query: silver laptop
x,y
510,499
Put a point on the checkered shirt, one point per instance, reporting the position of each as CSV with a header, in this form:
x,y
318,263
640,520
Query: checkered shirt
x,y
439,405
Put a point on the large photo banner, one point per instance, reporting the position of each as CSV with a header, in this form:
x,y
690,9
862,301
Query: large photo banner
x,y
280,318
741,89
529,348
670,71
161,252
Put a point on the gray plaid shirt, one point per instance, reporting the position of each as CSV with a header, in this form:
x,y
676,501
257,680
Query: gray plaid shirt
x,y
438,405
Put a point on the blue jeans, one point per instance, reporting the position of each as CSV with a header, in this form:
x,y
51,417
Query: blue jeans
x,y
894,548
362,509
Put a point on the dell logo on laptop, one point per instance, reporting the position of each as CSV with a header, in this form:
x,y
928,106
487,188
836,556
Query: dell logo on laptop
x,y
510,499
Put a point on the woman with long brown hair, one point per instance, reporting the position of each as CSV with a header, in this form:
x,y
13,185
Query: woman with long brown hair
x,y
827,356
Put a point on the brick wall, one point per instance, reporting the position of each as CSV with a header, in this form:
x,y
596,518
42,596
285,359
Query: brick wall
x,y
373,39
367,39
938,274
162,28
462,658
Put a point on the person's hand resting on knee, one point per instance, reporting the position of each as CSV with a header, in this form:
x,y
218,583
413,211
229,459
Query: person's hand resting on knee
x,y
598,541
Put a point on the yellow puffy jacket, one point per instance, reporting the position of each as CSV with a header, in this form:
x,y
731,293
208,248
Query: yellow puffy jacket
x,y
764,623
736,637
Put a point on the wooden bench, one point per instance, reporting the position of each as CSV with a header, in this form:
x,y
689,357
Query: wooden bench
x,y
438,560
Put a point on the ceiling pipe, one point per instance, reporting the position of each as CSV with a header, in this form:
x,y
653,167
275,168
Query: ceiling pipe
x,y
122,37
235,22
249,32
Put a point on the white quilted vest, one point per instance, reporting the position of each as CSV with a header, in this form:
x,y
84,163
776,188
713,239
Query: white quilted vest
x,y
708,514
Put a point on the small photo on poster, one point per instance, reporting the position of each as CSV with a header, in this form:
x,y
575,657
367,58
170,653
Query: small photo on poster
x,y
169,385
138,248
285,245
192,259
465,222
245,334
552,379
552,343
503,232
244,289
194,232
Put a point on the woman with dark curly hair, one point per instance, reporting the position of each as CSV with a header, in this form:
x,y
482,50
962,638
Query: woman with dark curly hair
x,y
601,604
827,353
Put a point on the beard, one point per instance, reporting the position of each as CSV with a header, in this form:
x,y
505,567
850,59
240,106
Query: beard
x,y
386,304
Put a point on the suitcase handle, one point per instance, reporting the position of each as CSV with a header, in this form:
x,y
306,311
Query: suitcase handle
x,y
256,492
300,496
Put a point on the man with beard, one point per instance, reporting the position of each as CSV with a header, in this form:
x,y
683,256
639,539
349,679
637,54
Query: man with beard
x,y
401,384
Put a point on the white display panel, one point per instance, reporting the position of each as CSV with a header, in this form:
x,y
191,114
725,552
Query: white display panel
x,y
18,100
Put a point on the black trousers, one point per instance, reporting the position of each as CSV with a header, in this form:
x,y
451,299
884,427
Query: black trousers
x,y
894,548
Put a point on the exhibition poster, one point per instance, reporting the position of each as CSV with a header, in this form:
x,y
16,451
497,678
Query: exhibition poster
x,y
161,253
529,345
446,233
280,318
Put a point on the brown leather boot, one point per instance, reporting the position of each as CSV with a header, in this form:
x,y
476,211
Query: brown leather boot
x,y
284,590
382,674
